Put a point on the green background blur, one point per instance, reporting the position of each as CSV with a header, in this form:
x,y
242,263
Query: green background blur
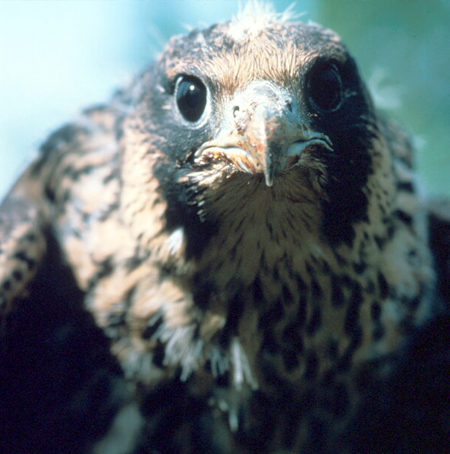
x,y
57,56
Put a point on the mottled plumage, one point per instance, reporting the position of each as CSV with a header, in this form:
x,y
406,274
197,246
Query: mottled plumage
x,y
243,226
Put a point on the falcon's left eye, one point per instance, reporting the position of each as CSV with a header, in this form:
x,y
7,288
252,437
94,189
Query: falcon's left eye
x,y
325,87
191,97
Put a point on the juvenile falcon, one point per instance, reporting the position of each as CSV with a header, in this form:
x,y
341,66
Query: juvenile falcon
x,y
240,229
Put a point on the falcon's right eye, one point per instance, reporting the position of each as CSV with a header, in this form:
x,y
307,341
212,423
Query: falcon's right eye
x,y
191,96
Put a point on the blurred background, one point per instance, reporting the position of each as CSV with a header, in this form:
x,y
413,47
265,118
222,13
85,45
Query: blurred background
x,y
57,56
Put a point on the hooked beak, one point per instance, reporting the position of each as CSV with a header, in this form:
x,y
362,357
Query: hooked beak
x,y
263,134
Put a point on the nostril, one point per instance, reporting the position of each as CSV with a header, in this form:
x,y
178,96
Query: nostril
x,y
289,106
235,111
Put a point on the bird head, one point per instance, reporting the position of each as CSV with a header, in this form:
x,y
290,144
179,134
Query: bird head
x,y
258,108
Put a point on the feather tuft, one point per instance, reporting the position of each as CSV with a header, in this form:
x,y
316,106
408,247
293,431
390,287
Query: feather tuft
x,y
254,16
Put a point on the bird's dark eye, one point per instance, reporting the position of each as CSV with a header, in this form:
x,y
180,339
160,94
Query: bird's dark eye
x,y
191,98
325,87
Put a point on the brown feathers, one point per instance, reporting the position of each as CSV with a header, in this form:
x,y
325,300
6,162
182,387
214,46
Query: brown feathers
x,y
243,226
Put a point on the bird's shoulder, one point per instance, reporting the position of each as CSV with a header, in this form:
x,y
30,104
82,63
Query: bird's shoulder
x,y
71,185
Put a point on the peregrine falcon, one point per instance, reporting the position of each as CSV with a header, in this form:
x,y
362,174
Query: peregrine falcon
x,y
228,257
